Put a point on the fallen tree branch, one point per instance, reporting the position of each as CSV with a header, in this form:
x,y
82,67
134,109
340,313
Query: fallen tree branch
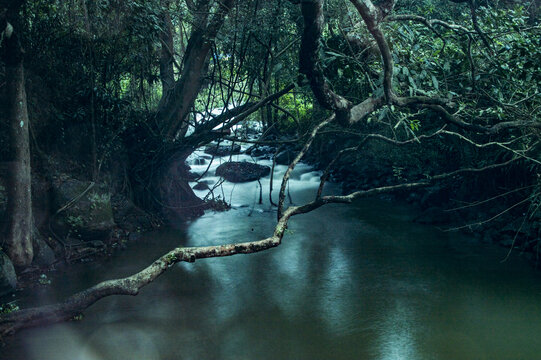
x,y
75,304
285,179
131,285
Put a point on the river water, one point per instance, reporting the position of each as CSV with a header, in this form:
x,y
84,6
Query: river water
x,y
358,281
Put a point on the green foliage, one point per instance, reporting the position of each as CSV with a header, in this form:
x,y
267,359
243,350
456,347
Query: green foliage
x,y
97,68
8,308
75,222
79,317
44,280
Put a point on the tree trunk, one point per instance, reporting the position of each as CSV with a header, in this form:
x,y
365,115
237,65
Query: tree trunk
x,y
19,226
176,103
167,74
159,175
178,201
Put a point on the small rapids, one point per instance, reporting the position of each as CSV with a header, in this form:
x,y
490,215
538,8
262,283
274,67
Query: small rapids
x,y
241,195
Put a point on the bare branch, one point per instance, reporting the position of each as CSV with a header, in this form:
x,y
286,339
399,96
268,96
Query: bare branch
x,y
285,179
272,176
430,23
229,118
371,16
491,218
75,304
482,35
477,203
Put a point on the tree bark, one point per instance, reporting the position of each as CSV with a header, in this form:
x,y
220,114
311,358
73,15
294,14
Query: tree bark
x,y
309,62
158,172
167,73
19,226
177,102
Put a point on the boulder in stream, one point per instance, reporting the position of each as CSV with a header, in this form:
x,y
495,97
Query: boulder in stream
x,y
238,172
222,150
261,151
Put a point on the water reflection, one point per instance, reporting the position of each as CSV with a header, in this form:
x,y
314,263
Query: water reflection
x,y
397,335
348,282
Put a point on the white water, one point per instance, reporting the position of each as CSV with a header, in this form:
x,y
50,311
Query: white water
x,y
247,194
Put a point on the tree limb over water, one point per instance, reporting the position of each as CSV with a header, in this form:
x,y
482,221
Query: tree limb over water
x,y
131,285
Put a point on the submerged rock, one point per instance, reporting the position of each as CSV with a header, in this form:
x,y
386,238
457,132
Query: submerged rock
x,y
8,279
222,150
198,161
192,176
237,172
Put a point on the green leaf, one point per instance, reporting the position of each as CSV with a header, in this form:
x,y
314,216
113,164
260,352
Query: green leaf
x,y
435,83
412,82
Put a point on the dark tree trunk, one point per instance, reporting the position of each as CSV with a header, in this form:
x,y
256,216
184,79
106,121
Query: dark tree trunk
x,y
159,174
176,103
170,186
178,201
19,226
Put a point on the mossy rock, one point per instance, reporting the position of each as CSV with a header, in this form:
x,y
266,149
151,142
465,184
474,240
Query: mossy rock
x,y
8,279
222,150
237,172
43,254
90,215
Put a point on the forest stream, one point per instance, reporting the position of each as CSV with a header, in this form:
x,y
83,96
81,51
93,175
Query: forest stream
x,y
348,282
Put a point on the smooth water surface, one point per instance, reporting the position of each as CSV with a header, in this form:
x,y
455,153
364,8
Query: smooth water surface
x,y
349,282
